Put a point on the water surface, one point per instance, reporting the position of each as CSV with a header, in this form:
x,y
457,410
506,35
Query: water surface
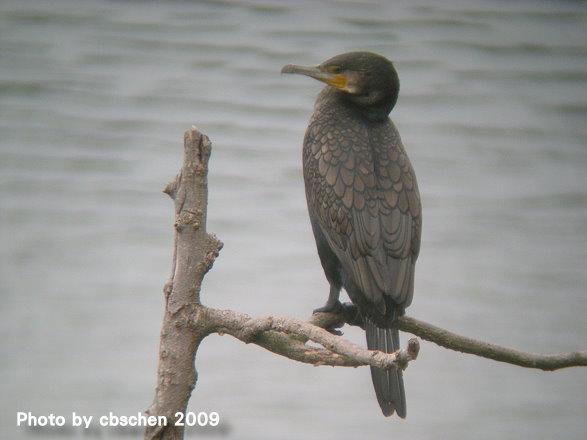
x,y
94,99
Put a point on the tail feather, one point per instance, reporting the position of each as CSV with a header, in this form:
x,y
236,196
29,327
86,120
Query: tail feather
x,y
388,384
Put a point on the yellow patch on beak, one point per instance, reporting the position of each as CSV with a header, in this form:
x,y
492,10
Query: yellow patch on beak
x,y
339,81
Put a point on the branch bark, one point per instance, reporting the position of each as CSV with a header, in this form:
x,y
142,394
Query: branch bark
x,y
452,341
186,322
287,337
464,344
194,252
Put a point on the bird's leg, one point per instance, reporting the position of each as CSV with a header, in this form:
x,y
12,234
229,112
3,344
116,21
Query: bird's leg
x,y
333,305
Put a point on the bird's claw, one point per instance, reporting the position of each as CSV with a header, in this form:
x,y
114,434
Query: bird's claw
x,y
334,331
335,307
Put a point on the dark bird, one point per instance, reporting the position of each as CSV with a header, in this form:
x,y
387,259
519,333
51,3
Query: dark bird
x,y
363,201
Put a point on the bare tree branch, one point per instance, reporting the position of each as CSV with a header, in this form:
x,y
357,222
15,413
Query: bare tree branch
x,y
270,333
452,341
464,344
187,322
194,252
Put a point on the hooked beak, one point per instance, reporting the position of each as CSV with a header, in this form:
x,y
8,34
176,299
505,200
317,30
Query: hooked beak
x,y
333,79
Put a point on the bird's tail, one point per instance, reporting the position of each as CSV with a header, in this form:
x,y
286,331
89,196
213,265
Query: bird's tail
x,y
388,384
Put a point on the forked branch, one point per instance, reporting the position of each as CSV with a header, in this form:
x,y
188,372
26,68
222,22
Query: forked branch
x,y
187,322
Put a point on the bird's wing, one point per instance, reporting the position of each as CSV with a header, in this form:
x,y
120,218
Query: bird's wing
x,y
362,190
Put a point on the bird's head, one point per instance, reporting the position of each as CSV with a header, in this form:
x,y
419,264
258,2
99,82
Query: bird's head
x,y
366,79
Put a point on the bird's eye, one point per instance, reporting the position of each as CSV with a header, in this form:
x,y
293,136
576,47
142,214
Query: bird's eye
x,y
334,69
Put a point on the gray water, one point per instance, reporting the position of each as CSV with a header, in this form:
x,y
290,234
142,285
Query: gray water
x,y
94,99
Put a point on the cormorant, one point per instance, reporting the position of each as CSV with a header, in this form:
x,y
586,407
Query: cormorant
x,y
363,201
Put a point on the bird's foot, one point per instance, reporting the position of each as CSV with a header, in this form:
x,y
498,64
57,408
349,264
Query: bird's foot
x,y
332,307
352,316
329,307
334,331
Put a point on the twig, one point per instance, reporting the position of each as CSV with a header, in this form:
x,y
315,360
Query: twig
x,y
452,341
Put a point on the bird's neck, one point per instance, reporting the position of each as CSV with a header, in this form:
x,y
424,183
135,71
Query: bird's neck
x,y
376,113
371,112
